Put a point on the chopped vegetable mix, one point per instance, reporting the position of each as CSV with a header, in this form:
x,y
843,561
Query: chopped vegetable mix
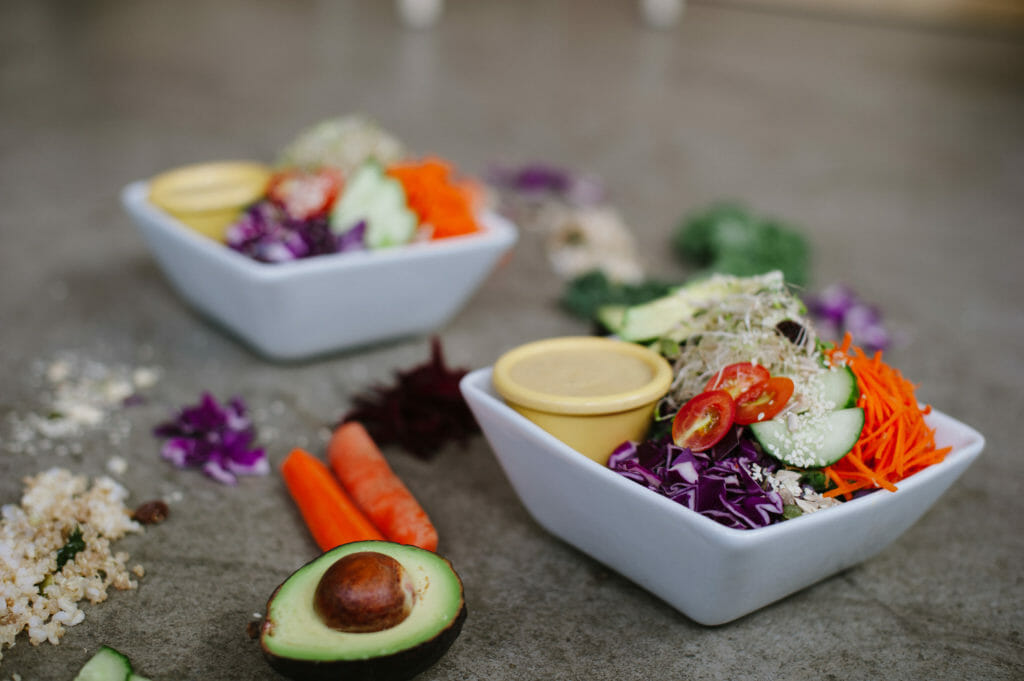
x,y
749,368
896,442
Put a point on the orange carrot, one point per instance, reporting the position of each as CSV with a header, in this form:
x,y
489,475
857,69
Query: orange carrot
x,y
331,516
896,442
438,200
366,475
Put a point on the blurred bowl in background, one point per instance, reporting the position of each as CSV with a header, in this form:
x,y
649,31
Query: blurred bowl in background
x,y
303,308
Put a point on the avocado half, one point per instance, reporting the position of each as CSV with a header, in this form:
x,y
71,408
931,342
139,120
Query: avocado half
x,y
299,644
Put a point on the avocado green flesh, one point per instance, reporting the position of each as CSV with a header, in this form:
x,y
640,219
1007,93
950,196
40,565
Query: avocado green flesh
x,y
668,315
294,630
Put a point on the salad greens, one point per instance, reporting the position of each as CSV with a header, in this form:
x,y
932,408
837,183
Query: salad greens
x,y
729,239
747,363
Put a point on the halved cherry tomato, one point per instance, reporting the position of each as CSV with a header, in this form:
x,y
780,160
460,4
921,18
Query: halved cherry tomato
x,y
736,379
764,400
704,420
305,194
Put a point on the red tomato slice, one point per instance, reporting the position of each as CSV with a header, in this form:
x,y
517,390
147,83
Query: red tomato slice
x,y
303,194
736,379
764,400
704,420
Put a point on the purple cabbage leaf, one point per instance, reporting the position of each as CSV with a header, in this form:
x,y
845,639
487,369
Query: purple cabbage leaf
x,y
719,483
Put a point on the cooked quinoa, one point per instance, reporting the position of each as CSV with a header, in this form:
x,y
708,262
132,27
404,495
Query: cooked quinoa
x,y
34,596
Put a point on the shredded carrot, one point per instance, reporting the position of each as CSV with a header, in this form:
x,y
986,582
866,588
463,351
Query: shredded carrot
x,y
895,442
366,476
330,515
437,199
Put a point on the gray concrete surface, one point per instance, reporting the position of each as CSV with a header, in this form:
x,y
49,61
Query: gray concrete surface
x,y
900,152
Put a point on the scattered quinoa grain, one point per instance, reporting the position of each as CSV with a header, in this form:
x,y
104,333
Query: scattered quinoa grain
x,y
34,596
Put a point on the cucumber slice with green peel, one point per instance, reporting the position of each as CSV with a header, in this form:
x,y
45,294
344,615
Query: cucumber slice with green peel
x,y
818,442
371,196
838,387
106,665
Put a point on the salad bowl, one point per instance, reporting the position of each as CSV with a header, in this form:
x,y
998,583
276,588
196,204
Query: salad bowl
x,y
711,573
303,308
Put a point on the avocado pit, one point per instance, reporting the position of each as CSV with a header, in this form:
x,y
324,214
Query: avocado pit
x,y
363,592
364,610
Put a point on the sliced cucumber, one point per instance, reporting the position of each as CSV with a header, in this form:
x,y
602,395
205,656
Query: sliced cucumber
x,y
838,387
106,665
819,442
373,197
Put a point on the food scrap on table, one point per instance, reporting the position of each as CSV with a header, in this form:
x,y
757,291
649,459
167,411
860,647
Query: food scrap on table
x,y
107,664
580,231
421,411
79,396
56,550
727,238
214,437
839,311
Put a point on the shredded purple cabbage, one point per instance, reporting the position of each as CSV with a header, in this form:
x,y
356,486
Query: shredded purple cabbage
x,y
214,437
837,310
541,180
268,234
717,483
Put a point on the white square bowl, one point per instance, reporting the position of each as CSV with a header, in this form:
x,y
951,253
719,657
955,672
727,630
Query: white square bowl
x,y
299,309
711,573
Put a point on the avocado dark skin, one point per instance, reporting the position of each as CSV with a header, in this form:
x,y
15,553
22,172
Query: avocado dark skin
x,y
440,592
402,665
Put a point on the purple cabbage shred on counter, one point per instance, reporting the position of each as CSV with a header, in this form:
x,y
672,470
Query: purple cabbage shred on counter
x,y
716,483
540,180
214,437
838,310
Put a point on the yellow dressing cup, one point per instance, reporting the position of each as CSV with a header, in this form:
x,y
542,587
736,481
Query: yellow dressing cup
x,y
208,197
591,393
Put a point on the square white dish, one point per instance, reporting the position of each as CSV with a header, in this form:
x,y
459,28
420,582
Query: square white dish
x,y
299,309
711,573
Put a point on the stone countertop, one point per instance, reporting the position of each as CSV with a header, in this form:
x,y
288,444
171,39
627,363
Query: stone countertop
x,y
899,152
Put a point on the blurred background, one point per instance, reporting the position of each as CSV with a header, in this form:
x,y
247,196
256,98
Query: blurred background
x,y
887,134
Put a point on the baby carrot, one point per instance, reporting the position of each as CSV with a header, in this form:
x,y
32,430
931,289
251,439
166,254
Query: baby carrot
x,y
366,475
330,515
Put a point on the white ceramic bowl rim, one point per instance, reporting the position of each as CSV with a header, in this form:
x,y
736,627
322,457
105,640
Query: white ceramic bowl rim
x,y
480,380
138,193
